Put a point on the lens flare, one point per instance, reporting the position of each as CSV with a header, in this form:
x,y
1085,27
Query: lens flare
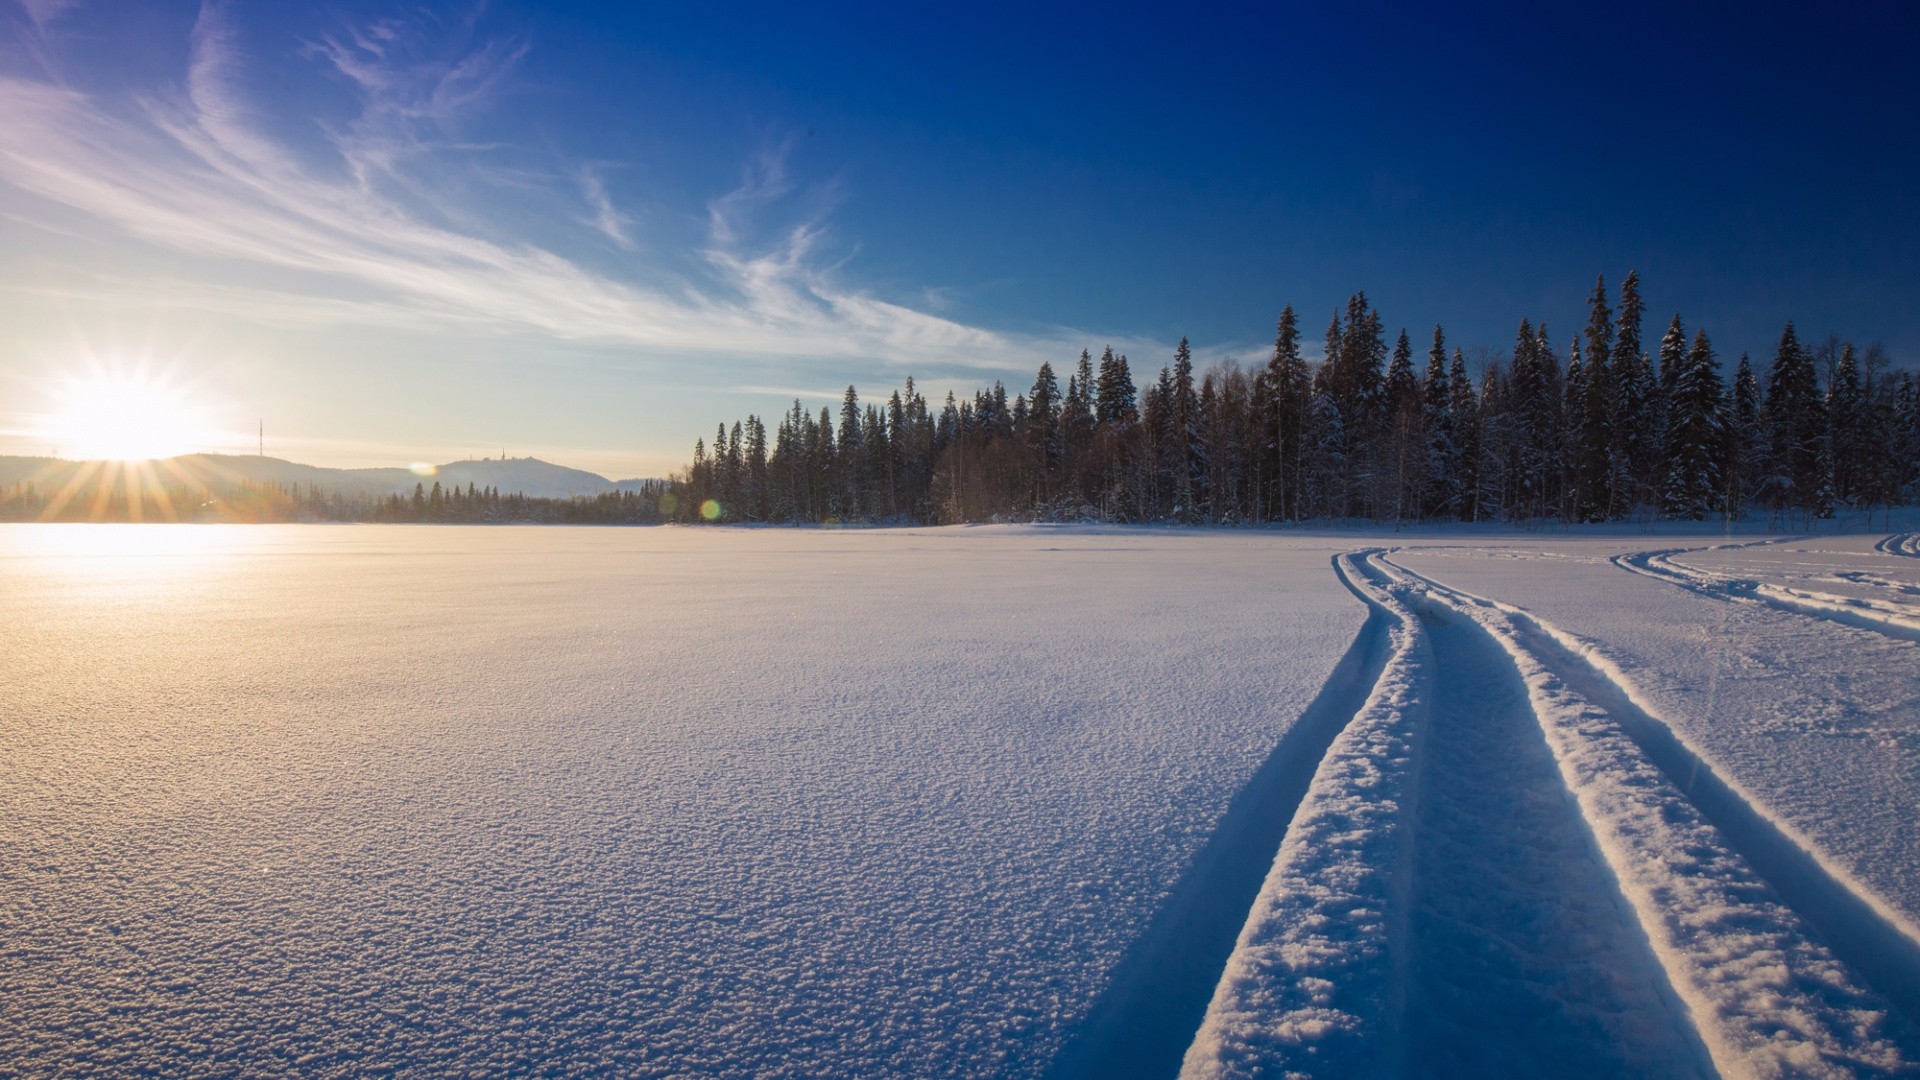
x,y
123,417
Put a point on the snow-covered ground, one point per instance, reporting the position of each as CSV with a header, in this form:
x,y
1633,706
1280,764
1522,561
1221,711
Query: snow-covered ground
x,y
655,801
1023,800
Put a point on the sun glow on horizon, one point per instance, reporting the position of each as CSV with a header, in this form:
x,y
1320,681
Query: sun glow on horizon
x,y
123,417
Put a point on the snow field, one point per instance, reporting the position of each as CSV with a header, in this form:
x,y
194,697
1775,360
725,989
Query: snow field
x,y
1767,998
653,802
954,801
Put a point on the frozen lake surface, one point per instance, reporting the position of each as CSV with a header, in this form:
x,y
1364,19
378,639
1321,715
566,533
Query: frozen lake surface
x,y
665,801
340,799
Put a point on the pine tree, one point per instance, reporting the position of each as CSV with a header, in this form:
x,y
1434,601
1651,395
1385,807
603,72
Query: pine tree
x,y
1573,429
1184,423
1533,407
1636,460
1442,486
1673,362
1116,401
1846,431
1292,397
1405,433
1464,467
1694,432
1043,412
1592,454
1747,447
756,500
1796,425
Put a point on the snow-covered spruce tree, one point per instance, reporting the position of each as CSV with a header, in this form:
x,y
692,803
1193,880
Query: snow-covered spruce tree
x,y
1746,446
1117,460
1324,493
1532,411
1189,477
1694,434
1673,360
1442,491
1846,425
1076,433
1041,438
1464,466
1493,464
1404,436
1156,427
1292,395
1572,429
1636,458
1592,453
1796,423
826,458
1116,401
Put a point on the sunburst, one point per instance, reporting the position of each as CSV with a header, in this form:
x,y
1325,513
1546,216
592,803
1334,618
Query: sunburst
x,y
109,415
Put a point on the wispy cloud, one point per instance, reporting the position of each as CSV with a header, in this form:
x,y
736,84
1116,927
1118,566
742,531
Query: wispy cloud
x,y
606,218
195,171
45,12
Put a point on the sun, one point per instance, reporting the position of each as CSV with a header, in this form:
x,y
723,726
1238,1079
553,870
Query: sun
x,y
115,417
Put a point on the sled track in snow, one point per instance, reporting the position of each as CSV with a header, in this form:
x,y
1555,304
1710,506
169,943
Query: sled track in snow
x,y
1906,545
1316,978
1143,1022
1892,619
1861,577
1506,865
1850,924
1525,958
1442,906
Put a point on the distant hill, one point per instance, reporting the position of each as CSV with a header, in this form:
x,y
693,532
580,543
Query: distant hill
x,y
523,476
528,476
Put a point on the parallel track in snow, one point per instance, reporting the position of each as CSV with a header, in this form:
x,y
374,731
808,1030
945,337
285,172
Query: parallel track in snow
x,y
1893,619
1906,545
1770,943
1861,577
1158,994
1508,864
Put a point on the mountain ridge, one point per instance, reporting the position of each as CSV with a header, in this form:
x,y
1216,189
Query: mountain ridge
x,y
528,476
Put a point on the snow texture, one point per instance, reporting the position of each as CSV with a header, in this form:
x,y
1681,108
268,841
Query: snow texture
x,y
337,800
1812,721
460,801
1313,984
1768,999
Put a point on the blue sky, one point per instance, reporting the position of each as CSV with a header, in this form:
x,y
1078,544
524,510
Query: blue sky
x,y
589,232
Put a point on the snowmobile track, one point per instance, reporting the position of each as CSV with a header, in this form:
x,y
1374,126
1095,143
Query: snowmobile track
x,y
1158,994
1905,545
1860,931
1891,619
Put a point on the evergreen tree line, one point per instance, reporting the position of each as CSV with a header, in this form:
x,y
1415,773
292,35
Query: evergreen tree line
x,y
120,499
1610,429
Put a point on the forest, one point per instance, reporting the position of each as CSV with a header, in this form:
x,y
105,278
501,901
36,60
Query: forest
x,y
1613,429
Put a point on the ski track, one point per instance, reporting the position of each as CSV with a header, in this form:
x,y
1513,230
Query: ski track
x,y
1892,619
1906,545
1767,998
